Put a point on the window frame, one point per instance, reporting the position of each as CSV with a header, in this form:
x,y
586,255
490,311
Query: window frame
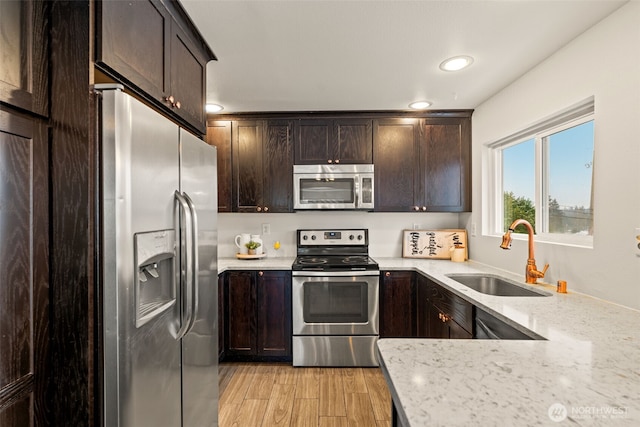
x,y
575,115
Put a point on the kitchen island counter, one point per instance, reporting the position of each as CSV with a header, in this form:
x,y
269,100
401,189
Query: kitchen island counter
x,y
586,372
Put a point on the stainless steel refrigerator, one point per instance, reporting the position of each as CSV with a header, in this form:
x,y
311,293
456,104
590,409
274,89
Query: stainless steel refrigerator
x,y
159,243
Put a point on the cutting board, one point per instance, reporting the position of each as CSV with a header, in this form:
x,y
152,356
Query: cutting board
x,y
433,244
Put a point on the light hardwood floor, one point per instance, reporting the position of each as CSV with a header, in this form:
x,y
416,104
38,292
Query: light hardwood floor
x,y
274,394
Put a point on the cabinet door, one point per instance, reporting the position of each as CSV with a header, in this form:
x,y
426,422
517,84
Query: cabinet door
x,y
395,145
353,140
422,307
446,164
134,43
397,306
241,314
24,75
188,74
458,332
437,328
247,165
221,315
24,270
219,135
313,142
456,310
277,160
322,141
274,313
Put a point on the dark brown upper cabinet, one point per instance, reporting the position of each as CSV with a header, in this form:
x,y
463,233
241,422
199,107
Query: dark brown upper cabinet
x,y
219,135
423,165
24,269
153,48
262,152
397,168
24,75
445,153
323,141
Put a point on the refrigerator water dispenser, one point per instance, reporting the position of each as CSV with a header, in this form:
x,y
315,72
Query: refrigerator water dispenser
x,y
155,258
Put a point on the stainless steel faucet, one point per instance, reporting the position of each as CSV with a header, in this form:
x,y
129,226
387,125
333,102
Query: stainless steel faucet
x,y
531,273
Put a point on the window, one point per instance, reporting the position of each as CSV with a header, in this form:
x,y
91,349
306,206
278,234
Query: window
x,y
544,174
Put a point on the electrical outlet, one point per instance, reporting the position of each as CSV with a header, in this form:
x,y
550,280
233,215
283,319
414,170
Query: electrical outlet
x,y
416,226
266,229
473,229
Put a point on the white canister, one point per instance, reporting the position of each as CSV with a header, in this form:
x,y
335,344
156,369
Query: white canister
x,y
457,254
256,238
241,240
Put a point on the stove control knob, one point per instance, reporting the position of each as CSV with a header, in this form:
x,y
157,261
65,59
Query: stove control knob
x,y
359,236
351,237
305,237
313,237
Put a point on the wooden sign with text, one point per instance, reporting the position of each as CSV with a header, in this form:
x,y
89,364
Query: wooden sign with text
x,y
433,244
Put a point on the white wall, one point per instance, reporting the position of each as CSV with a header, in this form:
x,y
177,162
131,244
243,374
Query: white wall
x,y
603,62
385,229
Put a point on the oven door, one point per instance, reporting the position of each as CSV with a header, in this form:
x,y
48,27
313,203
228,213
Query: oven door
x,y
335,303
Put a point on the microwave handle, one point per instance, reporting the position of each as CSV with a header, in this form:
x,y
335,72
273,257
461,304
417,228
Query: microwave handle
x,y
357,191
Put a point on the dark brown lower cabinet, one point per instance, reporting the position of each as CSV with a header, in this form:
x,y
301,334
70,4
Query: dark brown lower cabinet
x,y
441,314
258,315
221,322
397,304
426,311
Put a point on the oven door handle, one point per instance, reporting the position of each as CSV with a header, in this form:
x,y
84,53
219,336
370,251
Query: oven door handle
x,y
346,273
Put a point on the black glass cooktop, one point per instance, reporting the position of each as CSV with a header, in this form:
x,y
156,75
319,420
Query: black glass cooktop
x,y
334,263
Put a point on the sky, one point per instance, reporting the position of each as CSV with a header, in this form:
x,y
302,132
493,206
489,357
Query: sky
x,y
570,167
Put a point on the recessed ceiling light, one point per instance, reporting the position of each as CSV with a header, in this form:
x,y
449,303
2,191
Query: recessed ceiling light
x,y
456,63
420,105
214,108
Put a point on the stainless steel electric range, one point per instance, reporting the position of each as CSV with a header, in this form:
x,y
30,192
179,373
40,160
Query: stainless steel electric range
x,y
335,299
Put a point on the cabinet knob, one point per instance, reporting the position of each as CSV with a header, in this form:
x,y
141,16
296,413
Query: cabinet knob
x,y
424,208
387,274
330,161
172,101
337,160
260,273
259,209
266,209
416,208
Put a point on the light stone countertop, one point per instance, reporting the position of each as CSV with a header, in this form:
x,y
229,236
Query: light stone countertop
x,y
266,263
586,372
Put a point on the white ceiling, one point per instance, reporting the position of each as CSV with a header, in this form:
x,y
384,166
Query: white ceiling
x,y
316,55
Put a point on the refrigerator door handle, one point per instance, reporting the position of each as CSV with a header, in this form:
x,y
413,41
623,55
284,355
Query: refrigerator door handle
x,y
185,264
194,262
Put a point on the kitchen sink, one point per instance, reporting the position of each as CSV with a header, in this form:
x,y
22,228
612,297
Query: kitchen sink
x,y
495,285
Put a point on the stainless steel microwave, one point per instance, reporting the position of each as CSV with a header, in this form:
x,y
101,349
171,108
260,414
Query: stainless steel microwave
x,y
333,186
